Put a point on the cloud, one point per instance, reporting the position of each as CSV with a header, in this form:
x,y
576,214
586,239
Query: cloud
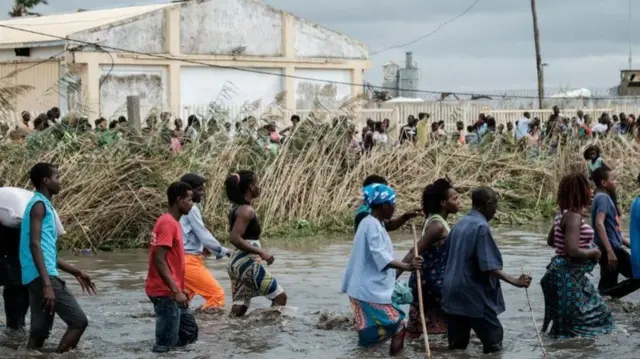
x,y
585,43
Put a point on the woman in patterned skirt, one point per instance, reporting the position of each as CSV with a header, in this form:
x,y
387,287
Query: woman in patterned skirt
x,y
439,200
249,277
572,302
371,274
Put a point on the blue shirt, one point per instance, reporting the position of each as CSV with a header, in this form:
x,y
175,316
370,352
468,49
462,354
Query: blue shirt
x,y
523,128
197,237
468,288
634,231
367,277
48,241
602,203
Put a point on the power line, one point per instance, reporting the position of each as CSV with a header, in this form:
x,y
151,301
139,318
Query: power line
x,y
430,33
251,70
12,74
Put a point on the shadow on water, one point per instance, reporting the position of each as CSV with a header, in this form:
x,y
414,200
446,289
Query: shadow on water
x,y
317,324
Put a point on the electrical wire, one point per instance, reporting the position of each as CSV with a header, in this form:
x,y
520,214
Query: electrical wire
x,y
251,70
14,73
430,33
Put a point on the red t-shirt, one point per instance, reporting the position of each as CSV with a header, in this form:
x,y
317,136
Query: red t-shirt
x,y
166,233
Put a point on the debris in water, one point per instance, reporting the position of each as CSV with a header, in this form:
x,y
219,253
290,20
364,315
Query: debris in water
x,y
143,315
331,321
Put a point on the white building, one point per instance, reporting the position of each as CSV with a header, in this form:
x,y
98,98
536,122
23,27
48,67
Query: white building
x,y
177,55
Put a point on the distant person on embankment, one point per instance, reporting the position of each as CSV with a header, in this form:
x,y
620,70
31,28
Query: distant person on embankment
x,y
471,293
606,222
199,243
249,277
48,293
175,325
573,306
370,275
364,210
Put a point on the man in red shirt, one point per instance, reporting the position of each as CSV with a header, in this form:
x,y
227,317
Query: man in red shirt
x,y
175,325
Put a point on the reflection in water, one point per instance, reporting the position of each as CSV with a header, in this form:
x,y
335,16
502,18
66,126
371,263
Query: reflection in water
x,y
317,325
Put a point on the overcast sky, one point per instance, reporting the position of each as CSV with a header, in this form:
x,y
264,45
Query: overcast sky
x,y
585,42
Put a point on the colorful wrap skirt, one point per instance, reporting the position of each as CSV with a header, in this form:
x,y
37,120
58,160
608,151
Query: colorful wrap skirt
x,y
572,303
249,278
376,323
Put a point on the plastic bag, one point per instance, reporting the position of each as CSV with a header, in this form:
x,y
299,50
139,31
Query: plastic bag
x,y
13,203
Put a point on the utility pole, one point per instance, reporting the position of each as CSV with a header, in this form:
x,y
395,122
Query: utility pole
x,y
539,66
630,46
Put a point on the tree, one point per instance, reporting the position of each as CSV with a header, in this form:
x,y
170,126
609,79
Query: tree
x,y
23,7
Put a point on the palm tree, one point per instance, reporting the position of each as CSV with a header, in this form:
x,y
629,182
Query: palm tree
x,y
23,7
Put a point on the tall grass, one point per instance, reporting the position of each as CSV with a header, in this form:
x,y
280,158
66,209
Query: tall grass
x,y
112,194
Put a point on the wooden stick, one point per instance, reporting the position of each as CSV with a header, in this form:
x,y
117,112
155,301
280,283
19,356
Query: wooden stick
x,y
533,317
419,280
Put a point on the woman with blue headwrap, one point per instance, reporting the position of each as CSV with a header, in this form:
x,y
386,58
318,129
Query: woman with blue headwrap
x,y
371,274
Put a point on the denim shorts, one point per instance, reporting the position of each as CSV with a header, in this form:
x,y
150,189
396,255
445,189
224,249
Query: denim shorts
x,y
175,326
66,307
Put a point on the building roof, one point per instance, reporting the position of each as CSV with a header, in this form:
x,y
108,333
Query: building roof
x,y
66,24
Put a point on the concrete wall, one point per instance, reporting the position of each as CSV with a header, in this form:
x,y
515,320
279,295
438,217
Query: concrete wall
x,y
217,27
233,89
329,95
145,33
148,82
37,54
316,41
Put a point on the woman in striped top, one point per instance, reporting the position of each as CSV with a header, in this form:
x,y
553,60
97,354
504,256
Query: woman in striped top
x,y
571,301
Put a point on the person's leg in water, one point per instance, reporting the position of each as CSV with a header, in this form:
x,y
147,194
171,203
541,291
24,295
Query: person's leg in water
x,y
280,300
397,342
71,313
188,332
168,319
199,280
490,332
15,295
239,310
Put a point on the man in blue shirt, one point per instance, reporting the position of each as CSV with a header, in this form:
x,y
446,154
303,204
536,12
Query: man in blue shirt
x,y
615,259
48,294
471,290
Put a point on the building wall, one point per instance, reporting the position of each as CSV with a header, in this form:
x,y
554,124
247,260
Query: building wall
x,y
316,41
218,27
330,95
238,91
43,79
146,33
37,54
147,82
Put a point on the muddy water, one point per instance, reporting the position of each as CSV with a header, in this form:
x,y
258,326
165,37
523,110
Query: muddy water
x,y
122,323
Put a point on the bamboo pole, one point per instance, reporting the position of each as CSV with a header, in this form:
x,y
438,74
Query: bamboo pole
x,y
419,281
539,65
533,318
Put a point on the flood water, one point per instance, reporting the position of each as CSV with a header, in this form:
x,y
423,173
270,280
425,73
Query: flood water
x,y
122,323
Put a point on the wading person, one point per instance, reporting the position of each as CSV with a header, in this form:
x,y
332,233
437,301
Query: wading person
x,y
364,210
594,160
14,293
439,200
634,234
471,293
370,275
571,301
606,223
48,293
249,277
199,243
175,325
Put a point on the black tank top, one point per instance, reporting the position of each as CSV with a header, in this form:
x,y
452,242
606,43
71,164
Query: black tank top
x,y
253,230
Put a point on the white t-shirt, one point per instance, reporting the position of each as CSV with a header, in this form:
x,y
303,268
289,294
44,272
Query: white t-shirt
x,y
600,128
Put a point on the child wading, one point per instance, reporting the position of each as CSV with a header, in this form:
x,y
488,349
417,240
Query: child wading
x,y
471,292
48,294
198,244
175,325
606,223
438,201
571,301
249,277
371,274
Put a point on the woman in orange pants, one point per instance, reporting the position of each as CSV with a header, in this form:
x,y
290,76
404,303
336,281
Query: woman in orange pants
x,y
199,243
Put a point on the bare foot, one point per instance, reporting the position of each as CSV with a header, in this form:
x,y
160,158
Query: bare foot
x,y
397,343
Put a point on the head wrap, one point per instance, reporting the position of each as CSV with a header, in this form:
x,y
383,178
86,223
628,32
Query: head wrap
x,y
378,194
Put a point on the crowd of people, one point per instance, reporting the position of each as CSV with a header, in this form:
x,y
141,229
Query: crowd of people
x,y
461,267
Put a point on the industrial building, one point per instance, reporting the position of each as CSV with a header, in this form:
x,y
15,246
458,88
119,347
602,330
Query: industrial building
x,y
401,82
177,55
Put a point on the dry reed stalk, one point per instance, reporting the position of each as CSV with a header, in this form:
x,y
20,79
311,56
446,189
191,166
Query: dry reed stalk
x,y
419,281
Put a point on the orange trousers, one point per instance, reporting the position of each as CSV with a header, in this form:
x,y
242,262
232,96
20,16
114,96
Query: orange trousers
x,y
199,280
